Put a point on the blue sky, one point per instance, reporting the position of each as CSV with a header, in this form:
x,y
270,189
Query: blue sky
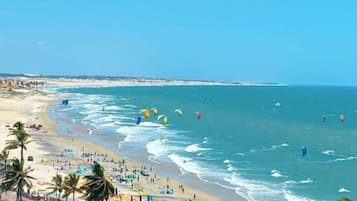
x,y
295,42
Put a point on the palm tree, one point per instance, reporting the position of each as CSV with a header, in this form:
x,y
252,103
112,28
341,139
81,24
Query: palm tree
x,y
16,178
19,125
57,185
97,186
22,138
71,185
4,155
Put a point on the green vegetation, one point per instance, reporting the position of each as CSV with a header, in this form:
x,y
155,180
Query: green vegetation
x,y
14,177
71,185
22,138
57,186
97,186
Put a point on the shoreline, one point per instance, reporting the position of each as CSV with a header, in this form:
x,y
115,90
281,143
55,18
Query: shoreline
x,y
170,170
49,144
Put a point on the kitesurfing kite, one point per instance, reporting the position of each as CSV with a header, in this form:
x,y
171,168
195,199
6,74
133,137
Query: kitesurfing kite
x,y
165,121
138,120
154,110
342,118
160,117
145,113
179,112
198,115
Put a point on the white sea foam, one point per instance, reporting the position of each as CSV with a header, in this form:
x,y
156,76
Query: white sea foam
x,y
127,130
187,164
253,190
349,158
305,181
90,106
88,112
92,116
343,190
230,168
276,174
108,125
150,124
113,108
240,154
226,161
129,106
199,154
289,196
280,146
193,148
329,152
205,140
67,109
272,148
108,118
157,147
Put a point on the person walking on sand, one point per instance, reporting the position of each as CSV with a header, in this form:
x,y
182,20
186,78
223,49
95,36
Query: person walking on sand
x,y
194,196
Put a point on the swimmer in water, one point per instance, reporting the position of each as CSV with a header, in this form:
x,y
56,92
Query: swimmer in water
x,y
323,118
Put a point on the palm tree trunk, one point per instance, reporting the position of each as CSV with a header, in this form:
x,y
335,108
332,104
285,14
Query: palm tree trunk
x,y
73,196
22,156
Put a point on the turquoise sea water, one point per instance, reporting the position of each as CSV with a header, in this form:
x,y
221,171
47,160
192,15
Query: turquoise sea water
x,y
243,141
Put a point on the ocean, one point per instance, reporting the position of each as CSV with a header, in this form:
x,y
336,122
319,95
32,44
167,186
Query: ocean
x,y
248,139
